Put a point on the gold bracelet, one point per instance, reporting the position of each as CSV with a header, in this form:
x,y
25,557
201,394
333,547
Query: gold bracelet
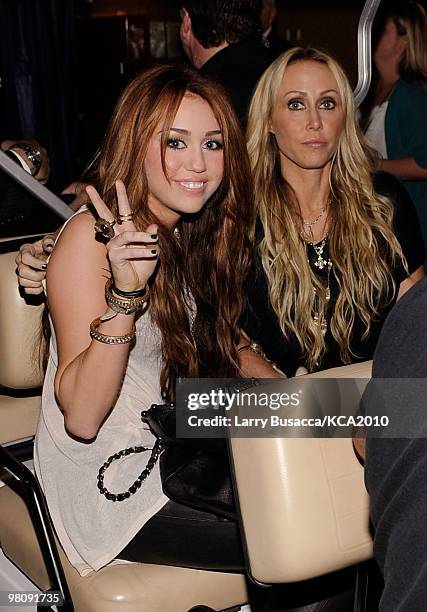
x,y
123,305
255,347
96,335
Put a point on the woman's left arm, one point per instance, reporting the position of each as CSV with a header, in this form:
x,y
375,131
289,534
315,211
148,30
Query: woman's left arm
x,y
405,168
253,363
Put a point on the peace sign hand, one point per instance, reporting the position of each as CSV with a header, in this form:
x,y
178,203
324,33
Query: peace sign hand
x,y
132,254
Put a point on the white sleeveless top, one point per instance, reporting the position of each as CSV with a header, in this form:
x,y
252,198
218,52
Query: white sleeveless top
x,y
93,530
375,132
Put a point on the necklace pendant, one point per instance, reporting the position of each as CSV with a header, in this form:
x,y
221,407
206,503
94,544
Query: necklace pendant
x,y
320,263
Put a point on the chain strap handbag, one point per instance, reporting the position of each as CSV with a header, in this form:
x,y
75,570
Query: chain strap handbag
x,y
194,472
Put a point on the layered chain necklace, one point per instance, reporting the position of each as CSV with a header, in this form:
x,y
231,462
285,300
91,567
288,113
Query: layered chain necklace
x,y
320,315
308,225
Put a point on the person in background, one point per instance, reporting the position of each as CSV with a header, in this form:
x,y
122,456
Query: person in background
x,y
16,205
31,155
272,41
394,115
223,39
20,211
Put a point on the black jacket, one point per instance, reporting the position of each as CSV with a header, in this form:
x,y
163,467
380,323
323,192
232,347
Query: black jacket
x,y
237,68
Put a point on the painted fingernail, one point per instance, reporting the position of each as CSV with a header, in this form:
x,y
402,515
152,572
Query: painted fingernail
x,y
44,266
154,236
154,251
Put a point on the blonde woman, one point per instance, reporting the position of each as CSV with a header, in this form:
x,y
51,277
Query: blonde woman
x,y
395,112
334,254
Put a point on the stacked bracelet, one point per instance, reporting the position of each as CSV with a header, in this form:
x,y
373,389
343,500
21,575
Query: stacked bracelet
x,y
96,335
125,305
139,293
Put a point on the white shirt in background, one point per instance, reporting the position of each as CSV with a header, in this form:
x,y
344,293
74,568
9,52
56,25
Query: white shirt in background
x,y
375,133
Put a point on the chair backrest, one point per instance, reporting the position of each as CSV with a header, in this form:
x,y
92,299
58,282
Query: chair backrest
x,y
303,502
20,325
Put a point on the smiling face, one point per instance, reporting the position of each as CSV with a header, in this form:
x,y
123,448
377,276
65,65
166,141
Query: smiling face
x,y
194,162
308,117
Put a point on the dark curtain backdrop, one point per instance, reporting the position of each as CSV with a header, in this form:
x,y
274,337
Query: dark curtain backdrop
x,y
36,67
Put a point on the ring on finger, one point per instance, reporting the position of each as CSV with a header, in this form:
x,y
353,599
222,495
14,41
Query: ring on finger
x,y
104,228
125,217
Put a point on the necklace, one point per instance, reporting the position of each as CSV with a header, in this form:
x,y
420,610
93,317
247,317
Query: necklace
x,y
308,225
320,307
320,315
320,262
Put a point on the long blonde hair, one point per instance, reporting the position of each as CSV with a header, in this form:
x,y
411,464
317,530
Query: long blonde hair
x,y
362,245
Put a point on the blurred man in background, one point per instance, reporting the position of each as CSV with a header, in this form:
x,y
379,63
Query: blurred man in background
x,y
223,38
270,37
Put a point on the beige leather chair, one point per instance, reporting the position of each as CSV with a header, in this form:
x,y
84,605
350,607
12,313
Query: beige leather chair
x,y
303,502
128,588
19,325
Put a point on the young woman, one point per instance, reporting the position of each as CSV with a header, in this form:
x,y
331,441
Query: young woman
x,y
394,115
149,292
334,254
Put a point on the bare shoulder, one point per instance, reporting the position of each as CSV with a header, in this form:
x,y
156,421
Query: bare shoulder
x,y
78,239
79,227
77,253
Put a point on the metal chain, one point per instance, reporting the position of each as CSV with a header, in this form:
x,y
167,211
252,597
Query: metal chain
x,y
155,453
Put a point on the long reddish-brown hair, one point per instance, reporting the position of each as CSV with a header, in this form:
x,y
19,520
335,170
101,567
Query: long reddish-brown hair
x,y
208,258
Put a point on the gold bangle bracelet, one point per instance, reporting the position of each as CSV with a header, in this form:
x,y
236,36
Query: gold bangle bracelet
x,y
96,335
255,347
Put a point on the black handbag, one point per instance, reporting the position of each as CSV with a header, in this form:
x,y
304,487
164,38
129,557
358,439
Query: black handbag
x,y
194,472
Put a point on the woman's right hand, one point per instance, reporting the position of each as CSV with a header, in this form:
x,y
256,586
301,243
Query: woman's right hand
x,y
133,255
31,264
